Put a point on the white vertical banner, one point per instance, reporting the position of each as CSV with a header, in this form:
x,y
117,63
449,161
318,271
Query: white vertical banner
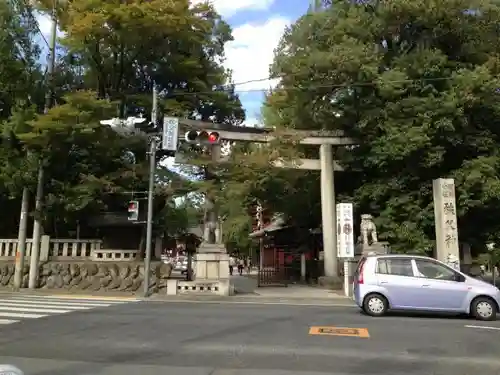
x,y
339,228
170,133
345,230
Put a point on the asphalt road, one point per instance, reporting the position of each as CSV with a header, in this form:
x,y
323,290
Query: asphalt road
x,y
179,338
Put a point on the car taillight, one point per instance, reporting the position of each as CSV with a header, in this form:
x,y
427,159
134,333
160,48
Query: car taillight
x,y
360,273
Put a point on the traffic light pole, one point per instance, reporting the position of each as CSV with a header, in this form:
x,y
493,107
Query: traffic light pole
x,y
149,220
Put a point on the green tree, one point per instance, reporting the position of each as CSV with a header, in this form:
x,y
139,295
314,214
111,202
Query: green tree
x,y
21,79
417,84
20,75
116,51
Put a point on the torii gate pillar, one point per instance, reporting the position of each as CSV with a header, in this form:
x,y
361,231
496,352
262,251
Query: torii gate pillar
x,y
328,213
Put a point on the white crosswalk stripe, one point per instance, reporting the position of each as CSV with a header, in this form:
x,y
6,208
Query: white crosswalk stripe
x,y
13,309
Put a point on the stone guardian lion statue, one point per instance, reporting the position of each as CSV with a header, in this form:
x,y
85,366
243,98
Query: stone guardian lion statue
x,y
368,230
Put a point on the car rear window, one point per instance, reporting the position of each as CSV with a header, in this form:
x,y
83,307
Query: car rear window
x,y
360,265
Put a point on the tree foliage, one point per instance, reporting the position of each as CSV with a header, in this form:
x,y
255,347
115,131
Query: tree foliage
x,y
108,58
416,82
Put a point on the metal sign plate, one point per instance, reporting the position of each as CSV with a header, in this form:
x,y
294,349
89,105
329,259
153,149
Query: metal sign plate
x,y
340,331
170,133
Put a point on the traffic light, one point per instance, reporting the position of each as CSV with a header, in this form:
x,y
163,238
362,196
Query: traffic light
x,y
202,137
133,210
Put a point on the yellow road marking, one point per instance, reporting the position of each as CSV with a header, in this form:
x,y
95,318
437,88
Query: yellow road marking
x,y
340,331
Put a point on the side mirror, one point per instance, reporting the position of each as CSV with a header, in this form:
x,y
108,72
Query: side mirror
x,y
459,278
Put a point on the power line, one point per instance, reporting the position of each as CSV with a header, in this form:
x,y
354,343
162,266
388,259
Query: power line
x,y
311,87
37,26
29,11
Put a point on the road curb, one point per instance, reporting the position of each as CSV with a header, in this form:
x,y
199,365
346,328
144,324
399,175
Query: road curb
x,y
239,298
255,300
297,303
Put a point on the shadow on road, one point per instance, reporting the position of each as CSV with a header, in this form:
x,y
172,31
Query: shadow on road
x,y
424,315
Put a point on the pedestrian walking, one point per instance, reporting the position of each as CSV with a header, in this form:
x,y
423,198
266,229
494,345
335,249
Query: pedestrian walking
x,y
241,266
232,263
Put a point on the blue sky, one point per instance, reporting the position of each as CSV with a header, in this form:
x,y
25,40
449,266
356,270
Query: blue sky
x,y
257,28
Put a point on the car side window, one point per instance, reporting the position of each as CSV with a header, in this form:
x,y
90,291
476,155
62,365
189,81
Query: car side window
x,y
432,270
395,266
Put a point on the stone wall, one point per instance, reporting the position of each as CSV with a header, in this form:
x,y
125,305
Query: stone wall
x,y
91,276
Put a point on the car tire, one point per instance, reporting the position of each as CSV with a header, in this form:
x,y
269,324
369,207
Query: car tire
x,y
483,308
375,305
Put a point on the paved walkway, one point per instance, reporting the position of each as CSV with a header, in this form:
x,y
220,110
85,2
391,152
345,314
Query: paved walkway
x,y
298,291
247,287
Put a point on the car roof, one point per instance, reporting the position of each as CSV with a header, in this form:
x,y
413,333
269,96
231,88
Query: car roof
x,y
398,256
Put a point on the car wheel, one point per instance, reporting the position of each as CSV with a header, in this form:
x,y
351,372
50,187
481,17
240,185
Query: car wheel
x,y
483,308
375,305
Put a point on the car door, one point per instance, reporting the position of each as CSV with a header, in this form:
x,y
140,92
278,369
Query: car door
x,y
441,287
396,278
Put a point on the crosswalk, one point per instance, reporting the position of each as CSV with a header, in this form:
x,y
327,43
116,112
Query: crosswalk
x,y
14,309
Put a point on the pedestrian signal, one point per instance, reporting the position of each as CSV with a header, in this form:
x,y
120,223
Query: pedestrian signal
x,y
133,210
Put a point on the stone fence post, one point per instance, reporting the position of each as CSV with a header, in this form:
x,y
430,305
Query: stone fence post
x,y
44,248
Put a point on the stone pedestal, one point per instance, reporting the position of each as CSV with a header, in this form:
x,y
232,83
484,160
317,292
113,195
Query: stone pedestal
x,y
211,276
212,263
379,248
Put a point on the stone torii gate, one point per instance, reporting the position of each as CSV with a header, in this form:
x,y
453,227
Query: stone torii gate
x,y
326,140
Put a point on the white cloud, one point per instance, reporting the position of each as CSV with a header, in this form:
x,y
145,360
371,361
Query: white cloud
x,y
252,123
228,8
252,51
44,24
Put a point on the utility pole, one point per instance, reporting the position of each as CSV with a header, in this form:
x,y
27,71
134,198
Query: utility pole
x,y
21,240
152,170
35,247
23,221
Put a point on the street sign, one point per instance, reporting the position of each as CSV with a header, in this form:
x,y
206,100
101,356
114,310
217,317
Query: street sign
x,y
345,233
170,133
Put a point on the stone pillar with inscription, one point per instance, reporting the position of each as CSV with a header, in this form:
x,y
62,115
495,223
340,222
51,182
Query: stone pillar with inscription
x,y
447,246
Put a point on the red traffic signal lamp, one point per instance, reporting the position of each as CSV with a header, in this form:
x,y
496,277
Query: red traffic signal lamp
x,y
133,210
213,137
202,137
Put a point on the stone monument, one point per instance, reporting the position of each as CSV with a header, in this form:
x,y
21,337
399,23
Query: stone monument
x,y
447,246
368,240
